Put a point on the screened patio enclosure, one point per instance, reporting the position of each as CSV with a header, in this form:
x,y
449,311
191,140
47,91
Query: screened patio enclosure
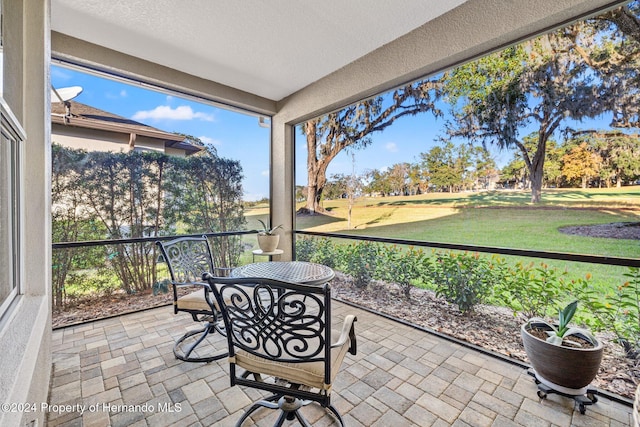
x,y
287,60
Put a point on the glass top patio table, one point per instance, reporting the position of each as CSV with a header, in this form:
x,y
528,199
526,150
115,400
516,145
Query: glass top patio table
x,y
289,271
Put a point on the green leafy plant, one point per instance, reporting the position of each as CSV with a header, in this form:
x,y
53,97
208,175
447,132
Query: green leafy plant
x,y
463,279
305,248
617,311
360,261
325,253
401,266
529,288
559,334
318,250
161,287
95,282
266,230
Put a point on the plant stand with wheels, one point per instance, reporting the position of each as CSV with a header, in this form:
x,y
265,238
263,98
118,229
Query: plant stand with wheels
x,y
583,397
564,359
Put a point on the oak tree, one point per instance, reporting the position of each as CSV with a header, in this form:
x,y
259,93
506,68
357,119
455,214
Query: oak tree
x,y
351,127
539,83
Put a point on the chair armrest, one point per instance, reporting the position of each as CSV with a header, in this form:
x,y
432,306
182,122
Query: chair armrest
x,y
348,333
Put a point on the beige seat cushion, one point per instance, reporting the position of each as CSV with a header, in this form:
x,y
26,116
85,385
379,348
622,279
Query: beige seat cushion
x,y
307,373
195,301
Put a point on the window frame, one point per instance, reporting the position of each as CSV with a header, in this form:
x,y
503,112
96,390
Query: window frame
x,y
12,133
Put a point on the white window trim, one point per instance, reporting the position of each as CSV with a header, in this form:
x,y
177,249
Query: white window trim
x,y
10,123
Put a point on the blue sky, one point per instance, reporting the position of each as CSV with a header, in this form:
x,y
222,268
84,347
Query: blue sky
x,y
238,136
401,142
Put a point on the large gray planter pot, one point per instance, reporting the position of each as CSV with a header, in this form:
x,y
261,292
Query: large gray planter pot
x,y
564,369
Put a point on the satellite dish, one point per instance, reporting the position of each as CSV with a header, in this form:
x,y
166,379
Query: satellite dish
x,y
263,122
65,94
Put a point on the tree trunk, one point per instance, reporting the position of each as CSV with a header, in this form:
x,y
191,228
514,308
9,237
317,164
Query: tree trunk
x,y
536,184
313,195
536,168
316,170
317,180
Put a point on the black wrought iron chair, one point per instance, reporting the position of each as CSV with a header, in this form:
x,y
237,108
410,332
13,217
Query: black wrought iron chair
x,y
279,333
188,258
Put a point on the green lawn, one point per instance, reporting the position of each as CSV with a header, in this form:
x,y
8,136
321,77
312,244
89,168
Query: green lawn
x,y
513,228
498,218
504,219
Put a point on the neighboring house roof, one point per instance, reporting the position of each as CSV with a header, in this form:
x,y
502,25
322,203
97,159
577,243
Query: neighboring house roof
x,y
85,116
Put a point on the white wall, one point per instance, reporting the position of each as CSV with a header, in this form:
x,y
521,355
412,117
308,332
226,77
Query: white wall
x,y
100,140
89,139
25,330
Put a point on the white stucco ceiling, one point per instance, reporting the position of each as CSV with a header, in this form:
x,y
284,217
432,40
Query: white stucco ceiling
x,y
268,48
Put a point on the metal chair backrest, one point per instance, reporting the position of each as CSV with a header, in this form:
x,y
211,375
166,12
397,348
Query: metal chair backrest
x,y
277,321
187,258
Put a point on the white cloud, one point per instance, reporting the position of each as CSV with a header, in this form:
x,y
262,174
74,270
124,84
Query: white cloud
x,y
121,94
210,141
391,147
184,112
265,172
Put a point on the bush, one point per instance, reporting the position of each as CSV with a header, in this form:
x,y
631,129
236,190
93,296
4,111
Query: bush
x,y
99,282
325,253
462,279
305,248
467,279
532,290
360,261
401,266
321,251
618,311
161,287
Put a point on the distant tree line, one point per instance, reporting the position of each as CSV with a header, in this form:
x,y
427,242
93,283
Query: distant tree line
x,y
589,159
98,195
446,167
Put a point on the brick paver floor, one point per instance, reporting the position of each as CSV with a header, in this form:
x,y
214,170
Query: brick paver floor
x,y
122,372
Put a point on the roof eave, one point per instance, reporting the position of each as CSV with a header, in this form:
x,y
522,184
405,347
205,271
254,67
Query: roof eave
x,y
114,127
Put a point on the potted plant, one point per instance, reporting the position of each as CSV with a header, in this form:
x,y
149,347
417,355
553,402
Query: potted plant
x,y
565,359
267,239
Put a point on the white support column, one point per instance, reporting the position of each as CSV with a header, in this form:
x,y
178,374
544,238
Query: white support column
x,y
282,183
